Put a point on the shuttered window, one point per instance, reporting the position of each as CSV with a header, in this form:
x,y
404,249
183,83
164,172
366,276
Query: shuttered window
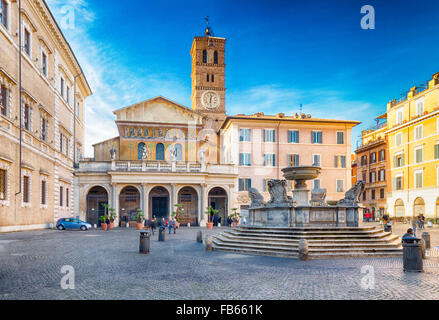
x,y
4,101
293,160
244,184
270,160
436,151
316,137
269,135
293,136
244,159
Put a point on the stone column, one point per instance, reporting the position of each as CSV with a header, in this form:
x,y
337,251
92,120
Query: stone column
x,y
115,203
203,204
143,200
172,200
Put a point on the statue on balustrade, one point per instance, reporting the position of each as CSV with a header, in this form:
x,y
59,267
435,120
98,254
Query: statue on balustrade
x,y
145,153
113,153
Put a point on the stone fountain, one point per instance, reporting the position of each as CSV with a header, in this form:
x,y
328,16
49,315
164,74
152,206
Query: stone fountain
x,y
299,211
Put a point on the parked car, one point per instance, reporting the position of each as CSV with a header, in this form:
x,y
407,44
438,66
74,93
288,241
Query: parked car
x,y
72,223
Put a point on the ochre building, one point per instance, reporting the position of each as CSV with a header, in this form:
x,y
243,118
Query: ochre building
x,y
37,190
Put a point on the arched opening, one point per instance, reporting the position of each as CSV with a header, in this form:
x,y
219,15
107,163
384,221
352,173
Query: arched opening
x,y
160,151
140,150
129,203
215,57
96,198
218,200
188,198
159,203
204,56
418,207
399,209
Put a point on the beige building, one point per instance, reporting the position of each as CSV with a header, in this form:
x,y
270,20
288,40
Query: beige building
x,y
167,153
52,94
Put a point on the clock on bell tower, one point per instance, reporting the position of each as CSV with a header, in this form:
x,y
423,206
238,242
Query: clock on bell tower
x,y
208,77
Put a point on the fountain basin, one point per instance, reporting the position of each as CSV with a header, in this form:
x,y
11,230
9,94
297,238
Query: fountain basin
x,y
301,172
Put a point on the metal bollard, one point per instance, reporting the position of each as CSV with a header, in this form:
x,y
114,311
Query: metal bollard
x,y
426,237
162,233
303,249
144,244
200,236
208,243
412,255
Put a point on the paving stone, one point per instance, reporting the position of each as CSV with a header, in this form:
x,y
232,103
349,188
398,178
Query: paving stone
x,y
107,266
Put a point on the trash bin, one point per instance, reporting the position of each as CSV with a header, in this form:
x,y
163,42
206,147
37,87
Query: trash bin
x,y
162,233
144,244
426,237
412,254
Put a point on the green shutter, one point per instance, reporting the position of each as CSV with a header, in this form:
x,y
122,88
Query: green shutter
x,y
436,151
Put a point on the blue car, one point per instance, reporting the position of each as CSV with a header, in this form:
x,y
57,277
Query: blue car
x,y
72,223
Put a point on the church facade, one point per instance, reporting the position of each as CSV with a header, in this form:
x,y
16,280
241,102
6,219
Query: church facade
x,y
167,153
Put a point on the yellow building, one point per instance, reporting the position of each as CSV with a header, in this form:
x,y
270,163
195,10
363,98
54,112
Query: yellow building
x,y
413,140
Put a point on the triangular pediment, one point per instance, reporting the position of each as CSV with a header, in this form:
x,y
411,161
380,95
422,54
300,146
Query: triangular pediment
x,y
159,110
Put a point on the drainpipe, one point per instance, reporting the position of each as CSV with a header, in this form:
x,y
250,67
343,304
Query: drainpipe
x,y
20,103
74,120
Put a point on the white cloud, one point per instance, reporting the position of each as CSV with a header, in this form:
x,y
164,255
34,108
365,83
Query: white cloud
x,y
320,103
113,85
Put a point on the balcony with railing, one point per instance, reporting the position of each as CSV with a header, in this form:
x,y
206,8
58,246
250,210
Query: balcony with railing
x,y
153,166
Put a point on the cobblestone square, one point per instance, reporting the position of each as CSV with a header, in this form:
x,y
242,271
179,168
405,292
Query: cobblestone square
x,y
108,266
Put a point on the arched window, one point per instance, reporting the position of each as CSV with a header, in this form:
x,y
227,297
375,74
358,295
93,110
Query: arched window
x,y
179,150
213,78
140,150
215,57
204,56
207,77
160,152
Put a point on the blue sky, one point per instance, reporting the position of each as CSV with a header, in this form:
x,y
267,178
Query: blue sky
x,y
279,54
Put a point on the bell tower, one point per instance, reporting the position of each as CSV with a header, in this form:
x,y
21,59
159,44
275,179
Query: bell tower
x,y
208,77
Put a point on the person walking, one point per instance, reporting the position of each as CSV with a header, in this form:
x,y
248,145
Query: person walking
x,y
170,225
153,225
244,220
108,223
421,220
414,225
174,225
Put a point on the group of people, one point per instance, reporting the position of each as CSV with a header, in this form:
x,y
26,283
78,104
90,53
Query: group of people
x,y
153,224
418,223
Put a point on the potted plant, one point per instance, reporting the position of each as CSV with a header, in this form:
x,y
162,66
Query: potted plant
x,y
112,217
103,220
235,217
139,219
211,212
176,214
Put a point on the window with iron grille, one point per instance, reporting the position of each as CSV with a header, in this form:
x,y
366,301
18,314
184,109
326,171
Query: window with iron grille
x,y
43,192
3,184
26,187
27,117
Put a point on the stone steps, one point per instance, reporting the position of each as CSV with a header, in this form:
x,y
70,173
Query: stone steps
x,y
383,238
322,242
312,243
